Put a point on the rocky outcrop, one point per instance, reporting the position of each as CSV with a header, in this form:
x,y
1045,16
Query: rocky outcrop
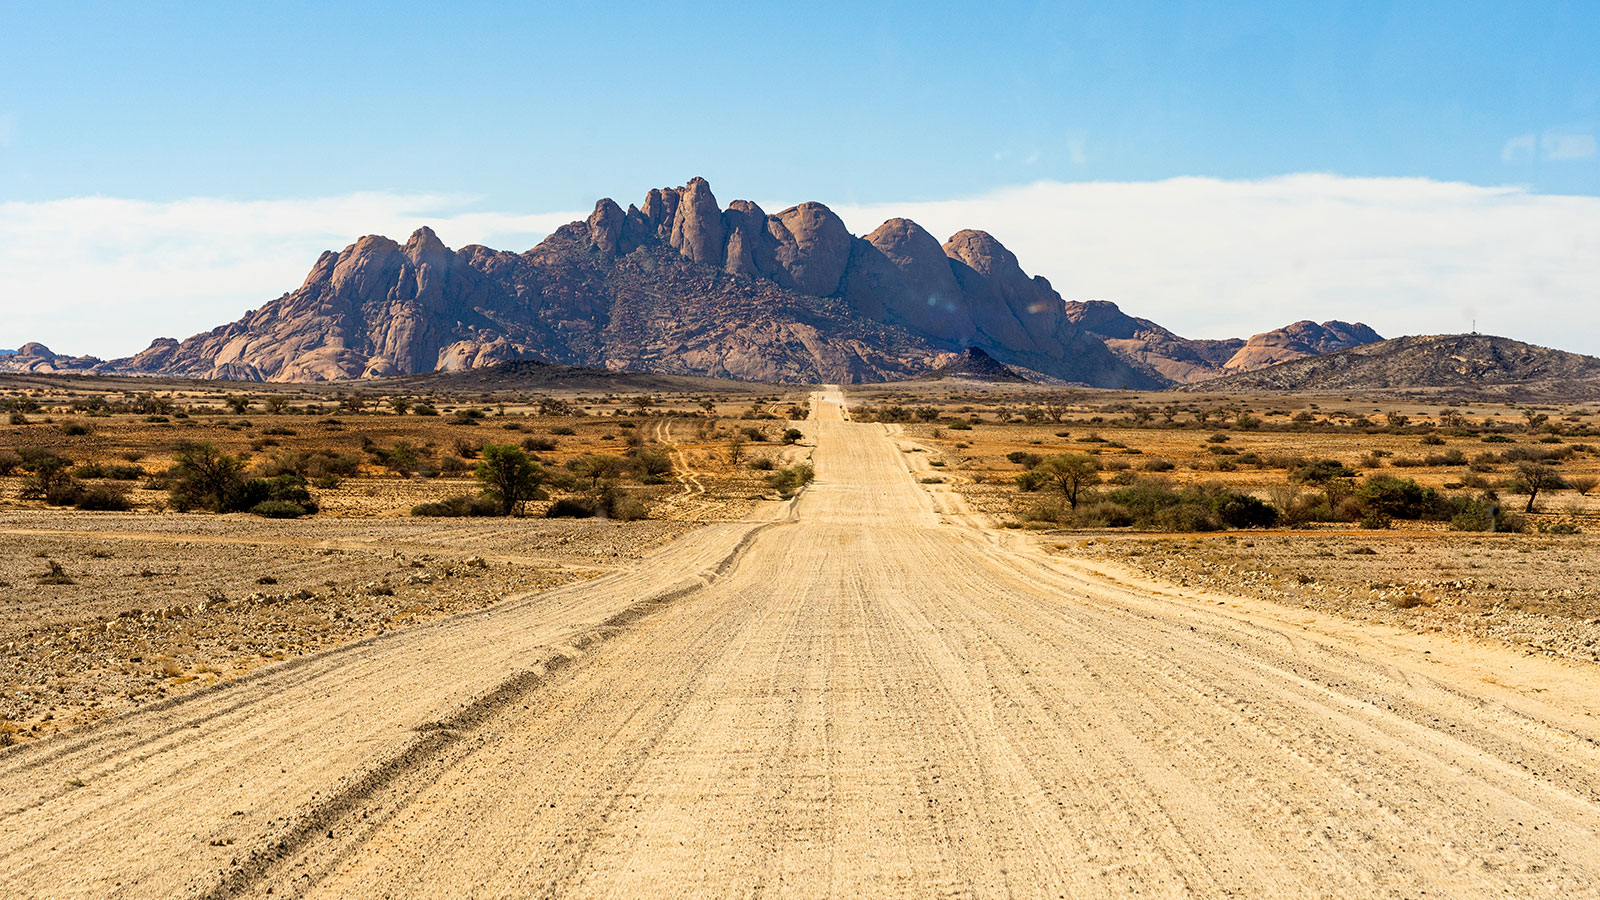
x,y
1154,349
973,364
36,357
1296,341
697,224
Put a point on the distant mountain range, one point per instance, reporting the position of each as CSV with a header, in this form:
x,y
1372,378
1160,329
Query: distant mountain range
x,y
1477,365
680,285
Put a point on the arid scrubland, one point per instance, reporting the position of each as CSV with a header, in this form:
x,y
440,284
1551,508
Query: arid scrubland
x,y
1371,508
1397,512
115,598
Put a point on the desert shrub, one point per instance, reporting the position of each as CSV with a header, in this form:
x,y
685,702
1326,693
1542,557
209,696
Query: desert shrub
x,y
1030,481
76,429
454,465
89,470
49,477
279,509
792,435
1154,504
1386,497
124,472
9,463
104,498
1408,462
205,478
467,449
762,464
787,481
1583,484
1476,514
1218,438
461,505
754,434
650,466
571,508
424,409
624,507
17,418
1024,459
1497,439
401,459
1448,458
563,430
289,489
538,444
1432,440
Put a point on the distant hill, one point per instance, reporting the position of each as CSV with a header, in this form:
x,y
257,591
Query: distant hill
x,y
1457,364
1162,354
976,365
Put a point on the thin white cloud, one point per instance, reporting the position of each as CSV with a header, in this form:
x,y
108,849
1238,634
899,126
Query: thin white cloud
x,y
1214,258
103,275
1205,257
1521,148
1554,145
1559,146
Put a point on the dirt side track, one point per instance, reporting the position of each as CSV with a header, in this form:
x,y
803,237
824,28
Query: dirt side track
x,y
862,697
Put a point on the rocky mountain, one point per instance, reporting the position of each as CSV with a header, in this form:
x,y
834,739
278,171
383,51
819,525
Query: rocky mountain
x,y
681,285
1157,351
1458,364
36,357
1297,341
972,363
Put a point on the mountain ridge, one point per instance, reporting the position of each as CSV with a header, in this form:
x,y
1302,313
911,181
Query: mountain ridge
x,y
681,285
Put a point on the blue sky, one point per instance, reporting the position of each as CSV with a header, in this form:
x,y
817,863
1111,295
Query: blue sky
x,y
549,105
543,109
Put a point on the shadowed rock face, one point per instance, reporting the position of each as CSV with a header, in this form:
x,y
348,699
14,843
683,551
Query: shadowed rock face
x,y
678,285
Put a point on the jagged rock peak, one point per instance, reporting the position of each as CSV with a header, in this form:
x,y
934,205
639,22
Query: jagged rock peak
x,y
697,224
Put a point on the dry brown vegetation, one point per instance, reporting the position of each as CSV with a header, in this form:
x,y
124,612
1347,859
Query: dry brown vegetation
x,y
111,609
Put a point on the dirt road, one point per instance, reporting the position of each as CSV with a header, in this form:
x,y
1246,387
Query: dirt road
x,y
861,696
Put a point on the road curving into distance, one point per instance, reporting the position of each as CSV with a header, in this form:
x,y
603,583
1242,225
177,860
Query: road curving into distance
x,y
859,695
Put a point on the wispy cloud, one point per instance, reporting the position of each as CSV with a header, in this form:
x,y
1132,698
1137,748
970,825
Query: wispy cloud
x,y
104,275
1216,258
1560,146
1555,145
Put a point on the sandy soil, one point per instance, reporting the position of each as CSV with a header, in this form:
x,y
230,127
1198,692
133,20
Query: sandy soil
x,y
856,694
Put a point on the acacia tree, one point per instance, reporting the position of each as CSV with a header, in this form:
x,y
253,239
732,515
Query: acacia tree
x,y
1533,477
1069,473
206,477
510,477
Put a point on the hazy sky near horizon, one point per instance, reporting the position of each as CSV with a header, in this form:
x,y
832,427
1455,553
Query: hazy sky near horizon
x,y
1221,168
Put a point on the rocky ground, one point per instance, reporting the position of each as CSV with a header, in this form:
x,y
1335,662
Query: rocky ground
x,y
1541,593
103,611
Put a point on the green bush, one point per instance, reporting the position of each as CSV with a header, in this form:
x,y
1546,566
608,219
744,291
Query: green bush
x,y
279,509
789,480
1385,497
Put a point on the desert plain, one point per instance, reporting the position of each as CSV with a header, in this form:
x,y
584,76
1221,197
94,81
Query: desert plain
x,y
913,669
